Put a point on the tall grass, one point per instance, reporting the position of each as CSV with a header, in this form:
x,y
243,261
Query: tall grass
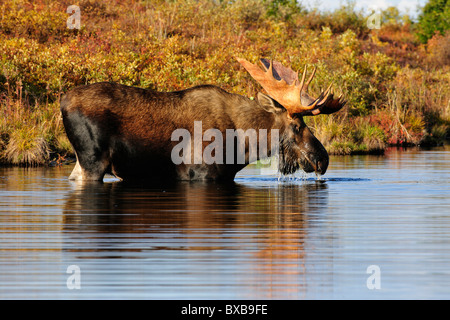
x,y
30,130
397,89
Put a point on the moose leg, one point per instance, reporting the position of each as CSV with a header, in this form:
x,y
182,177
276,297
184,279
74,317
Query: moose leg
x,y
92,164
76,172
93,169
79,174
95,172
91,147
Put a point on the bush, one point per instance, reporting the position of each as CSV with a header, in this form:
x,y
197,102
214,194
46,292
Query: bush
x,y
434,18
439,49
390,81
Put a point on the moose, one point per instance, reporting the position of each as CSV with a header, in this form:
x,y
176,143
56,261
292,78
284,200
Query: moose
x,y
127,131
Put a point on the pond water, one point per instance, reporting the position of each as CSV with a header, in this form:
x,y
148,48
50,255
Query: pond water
x,y
373,227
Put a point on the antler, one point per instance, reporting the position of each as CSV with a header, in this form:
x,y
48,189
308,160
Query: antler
x,y
282,84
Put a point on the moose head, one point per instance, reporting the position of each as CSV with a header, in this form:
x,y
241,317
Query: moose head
x,y
289,100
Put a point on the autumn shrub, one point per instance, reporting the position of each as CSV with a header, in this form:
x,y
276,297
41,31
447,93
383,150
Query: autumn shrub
x,y
439,49
343,135
420,100
40,21
396,89
342,19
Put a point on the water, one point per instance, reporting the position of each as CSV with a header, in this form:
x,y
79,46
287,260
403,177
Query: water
x,y
261,237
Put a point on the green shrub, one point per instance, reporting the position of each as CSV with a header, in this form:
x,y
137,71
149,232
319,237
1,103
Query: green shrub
x,y
434,18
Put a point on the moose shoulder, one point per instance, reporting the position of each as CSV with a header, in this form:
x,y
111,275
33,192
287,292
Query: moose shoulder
x,y
128,131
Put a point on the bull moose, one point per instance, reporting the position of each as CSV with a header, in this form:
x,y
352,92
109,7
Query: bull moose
x,y
128,131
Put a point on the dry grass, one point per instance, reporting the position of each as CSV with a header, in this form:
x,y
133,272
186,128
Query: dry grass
x,y
26,148
30,131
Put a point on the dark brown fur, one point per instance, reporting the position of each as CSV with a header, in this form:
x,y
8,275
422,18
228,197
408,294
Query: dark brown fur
x,y
127,131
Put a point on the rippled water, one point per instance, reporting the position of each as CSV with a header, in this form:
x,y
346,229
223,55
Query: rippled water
x,y
259,238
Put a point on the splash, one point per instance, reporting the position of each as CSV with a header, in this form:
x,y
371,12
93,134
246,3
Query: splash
x,y
319,176
299,176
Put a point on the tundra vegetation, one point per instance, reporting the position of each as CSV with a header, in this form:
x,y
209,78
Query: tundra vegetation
x,y
396,79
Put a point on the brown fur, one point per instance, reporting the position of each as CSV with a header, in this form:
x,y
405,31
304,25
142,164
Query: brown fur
x,y
127,131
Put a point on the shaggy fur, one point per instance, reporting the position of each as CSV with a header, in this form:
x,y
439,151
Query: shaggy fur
x,y
126,131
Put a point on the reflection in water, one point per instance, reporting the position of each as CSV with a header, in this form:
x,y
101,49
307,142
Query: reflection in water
x,y
264,227
256,238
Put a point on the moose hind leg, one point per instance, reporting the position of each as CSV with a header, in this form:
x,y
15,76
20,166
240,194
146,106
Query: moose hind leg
x,y
91,147
94,174
95,171
92,163
76,172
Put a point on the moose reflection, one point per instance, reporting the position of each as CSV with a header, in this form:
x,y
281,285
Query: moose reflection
x,y
268,225
115,207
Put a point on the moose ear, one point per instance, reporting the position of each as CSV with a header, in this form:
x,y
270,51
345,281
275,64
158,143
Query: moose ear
x,y
268,104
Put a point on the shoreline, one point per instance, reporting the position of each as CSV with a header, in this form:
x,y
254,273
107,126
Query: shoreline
x,y
58,160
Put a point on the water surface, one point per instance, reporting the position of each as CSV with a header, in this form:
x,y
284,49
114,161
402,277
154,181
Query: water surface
x,y
257,238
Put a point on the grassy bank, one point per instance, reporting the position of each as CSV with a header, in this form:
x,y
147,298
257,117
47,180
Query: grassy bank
x,y
397,88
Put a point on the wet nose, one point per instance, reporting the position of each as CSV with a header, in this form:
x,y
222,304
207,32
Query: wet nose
x,y
322,165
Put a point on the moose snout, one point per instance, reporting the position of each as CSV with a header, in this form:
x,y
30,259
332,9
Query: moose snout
x,y
322,165
318,162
